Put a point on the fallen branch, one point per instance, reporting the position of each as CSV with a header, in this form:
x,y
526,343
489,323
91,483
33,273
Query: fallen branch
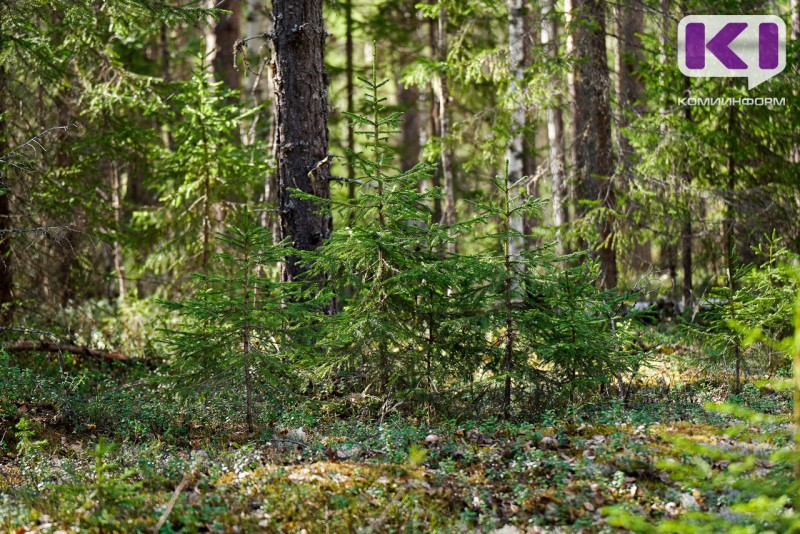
x,y
199,459
172,501
48,346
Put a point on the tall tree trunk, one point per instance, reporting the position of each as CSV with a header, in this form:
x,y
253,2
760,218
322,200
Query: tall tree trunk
x,y
349,75
630,86
408,98
672,267
443,99
515,147
594,159
795,8
630,89
301,103
686,230
6,273
166,75
272,220
433,119
570,172
555,129
670,237
220,43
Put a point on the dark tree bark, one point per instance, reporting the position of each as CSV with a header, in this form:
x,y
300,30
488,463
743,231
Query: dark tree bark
x,y
6,273
515,154
594,159
630,89
630,86
221,41
48,346
434,123
795,9
529,142
301,105
686,230
349,75
407,98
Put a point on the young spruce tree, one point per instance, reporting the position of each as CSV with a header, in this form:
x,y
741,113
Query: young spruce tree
x,y
552,332
389,260
236,324
201,173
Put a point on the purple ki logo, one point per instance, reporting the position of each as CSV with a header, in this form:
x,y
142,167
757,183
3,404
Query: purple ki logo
x,y
748,46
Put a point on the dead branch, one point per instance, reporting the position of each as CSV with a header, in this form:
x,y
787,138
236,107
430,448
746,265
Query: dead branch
x,y
24,345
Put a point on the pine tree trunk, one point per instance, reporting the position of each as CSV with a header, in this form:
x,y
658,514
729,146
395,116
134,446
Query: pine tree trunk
x,y
6,273
349,75
570,174
220,42
256,76
271,219
555,130
594,160
672,267
515,147
672,237
530,138
443,99
407,98
301,103
795,9
686,230
433,123
630,89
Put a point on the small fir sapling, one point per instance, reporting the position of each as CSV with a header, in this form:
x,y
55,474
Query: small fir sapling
x,y
388,259
240,327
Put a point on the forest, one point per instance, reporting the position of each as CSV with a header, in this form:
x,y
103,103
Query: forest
x,y
510,266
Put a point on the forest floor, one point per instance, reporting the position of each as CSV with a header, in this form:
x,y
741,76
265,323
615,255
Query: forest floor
x,y
577,472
